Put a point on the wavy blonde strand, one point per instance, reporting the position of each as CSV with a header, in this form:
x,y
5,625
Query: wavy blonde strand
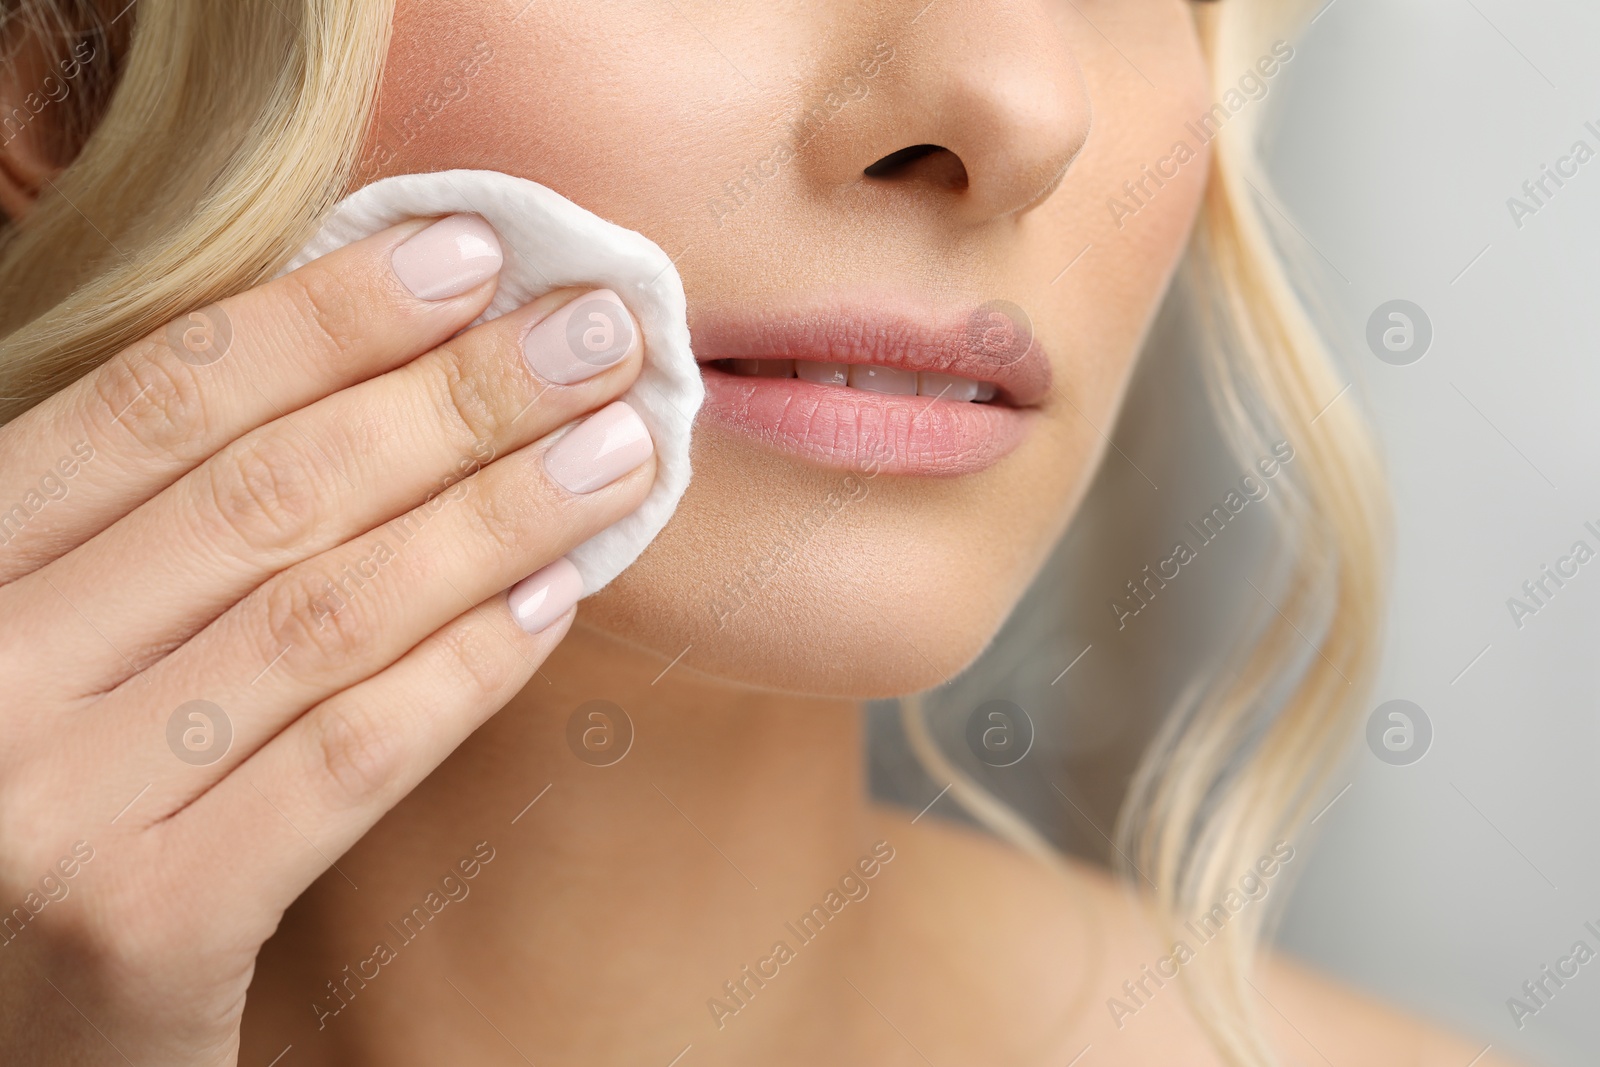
x,y
232,129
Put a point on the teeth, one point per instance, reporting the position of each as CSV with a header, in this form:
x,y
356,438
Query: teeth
x,y
764,368
822,373
868,378
947,386
883,380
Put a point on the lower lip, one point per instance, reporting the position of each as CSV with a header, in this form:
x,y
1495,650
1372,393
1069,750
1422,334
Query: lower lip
x,y
852,429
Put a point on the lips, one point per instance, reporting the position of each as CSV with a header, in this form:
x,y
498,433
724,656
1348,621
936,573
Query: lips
x,y
929,392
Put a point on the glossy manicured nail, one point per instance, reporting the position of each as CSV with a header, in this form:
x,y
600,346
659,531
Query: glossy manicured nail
x,y
448,258
599,450
545,595
581,339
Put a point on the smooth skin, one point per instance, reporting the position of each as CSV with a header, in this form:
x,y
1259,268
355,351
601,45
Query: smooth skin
x,y
620,899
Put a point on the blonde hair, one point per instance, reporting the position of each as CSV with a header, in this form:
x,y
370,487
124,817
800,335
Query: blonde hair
x,y
1241,763
222,132
231,129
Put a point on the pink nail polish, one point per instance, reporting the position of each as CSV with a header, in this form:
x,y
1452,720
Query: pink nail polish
x,y
599,450
545,595
448,258
580,339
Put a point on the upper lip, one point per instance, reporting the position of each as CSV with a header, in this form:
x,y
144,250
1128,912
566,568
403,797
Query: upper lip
x,y
936,340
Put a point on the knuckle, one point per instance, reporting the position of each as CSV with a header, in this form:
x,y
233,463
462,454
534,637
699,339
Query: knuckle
x,y
324,306
357,754
264,492
500,519
158,398
481,668
470,405
334,622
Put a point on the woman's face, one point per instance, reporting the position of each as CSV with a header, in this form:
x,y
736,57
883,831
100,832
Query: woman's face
x,y
838,539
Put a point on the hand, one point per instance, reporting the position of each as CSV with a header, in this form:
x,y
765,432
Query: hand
x,y
252,591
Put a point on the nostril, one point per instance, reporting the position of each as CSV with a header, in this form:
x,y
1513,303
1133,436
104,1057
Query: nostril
x,y
894,161
928,162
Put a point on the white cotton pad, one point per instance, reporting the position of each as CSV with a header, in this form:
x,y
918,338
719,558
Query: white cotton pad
x,y
551,243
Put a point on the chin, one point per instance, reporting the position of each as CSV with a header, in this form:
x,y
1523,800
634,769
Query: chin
x,y
783,576
806,638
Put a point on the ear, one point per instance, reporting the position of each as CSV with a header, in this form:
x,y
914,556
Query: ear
x,y
33,89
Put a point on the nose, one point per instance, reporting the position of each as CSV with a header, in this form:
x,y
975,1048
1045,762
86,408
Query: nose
x,y
976,108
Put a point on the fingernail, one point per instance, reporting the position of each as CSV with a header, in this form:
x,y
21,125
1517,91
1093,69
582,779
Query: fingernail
x,y
545,595
599,450
580,340
448,258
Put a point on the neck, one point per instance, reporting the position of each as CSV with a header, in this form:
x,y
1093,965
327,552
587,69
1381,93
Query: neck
x,y
653,870
717,779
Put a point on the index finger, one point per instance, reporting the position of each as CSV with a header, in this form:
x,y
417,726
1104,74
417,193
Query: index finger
x,y
160,407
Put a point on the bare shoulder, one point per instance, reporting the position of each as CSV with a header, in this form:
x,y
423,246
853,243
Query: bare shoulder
x,y
1347,1024
1077,933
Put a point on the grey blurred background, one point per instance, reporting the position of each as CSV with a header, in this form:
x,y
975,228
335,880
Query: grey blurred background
x,y
1395,138
1403,129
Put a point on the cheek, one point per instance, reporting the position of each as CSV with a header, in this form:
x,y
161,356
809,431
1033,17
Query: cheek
x,y
1131,198
574,95
1107,243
